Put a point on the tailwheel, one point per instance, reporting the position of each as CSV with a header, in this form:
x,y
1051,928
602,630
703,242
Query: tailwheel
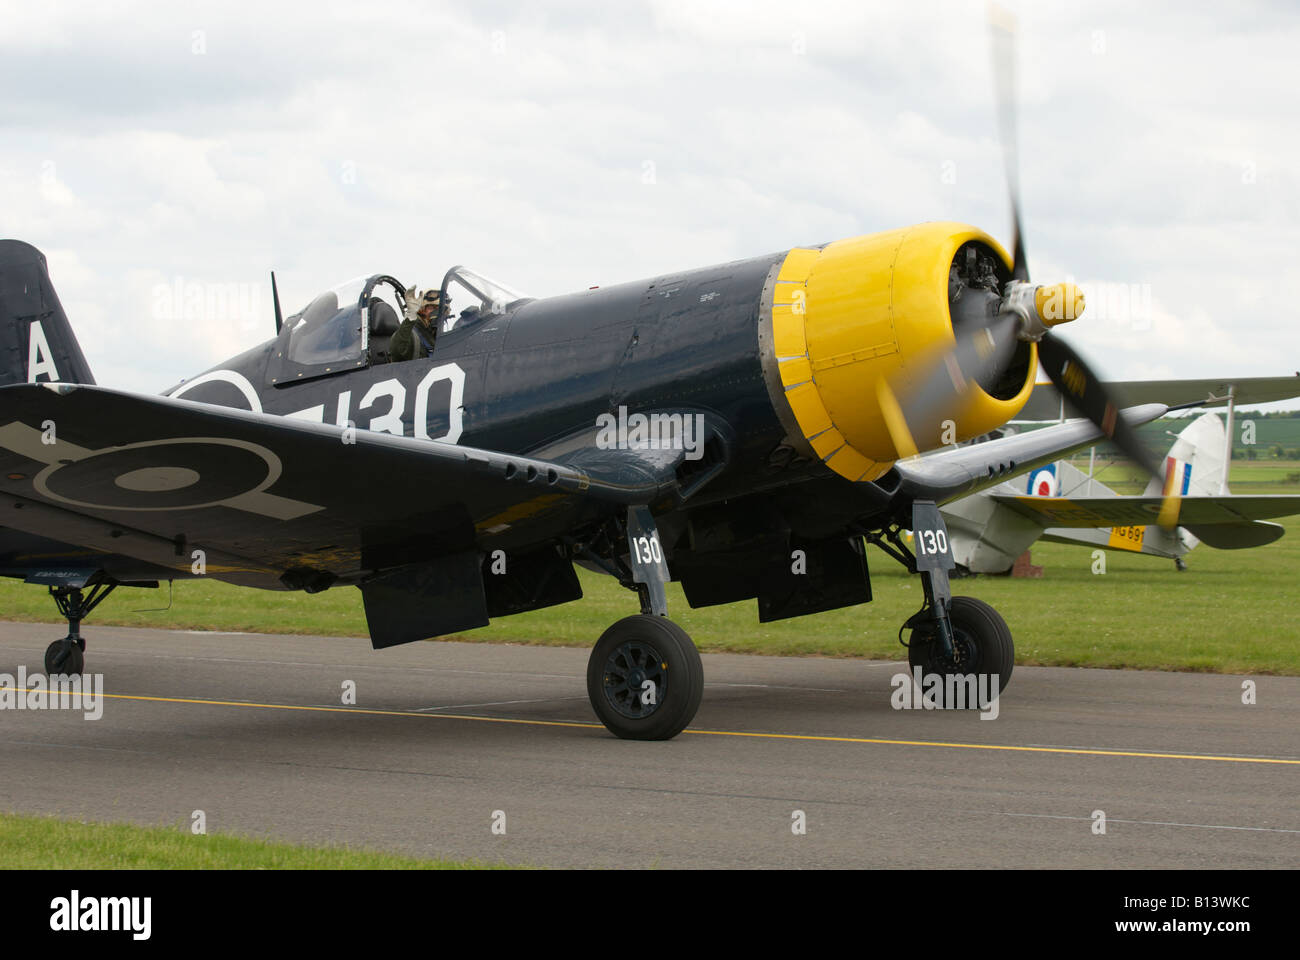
x,y
645,678
65,656
68,655
981,644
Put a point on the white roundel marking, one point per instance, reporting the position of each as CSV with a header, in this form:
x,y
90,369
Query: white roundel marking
x,y
236,380
158,479
1043,484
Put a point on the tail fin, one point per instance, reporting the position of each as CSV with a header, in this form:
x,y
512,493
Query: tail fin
x,y
37,344
1193,467
1194,464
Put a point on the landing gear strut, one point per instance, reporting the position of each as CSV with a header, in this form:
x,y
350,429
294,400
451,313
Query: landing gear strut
x,y
67,656
951,636
644,677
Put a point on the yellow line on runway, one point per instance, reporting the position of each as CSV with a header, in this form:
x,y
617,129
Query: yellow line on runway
x,y
377,713
999,746
720,733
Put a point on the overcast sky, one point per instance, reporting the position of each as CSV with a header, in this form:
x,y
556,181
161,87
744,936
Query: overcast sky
x,y
157,149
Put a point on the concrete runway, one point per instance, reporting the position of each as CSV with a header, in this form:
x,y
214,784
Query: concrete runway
x,y
444,734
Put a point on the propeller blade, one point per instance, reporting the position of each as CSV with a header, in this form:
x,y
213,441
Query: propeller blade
x,y
918,408
1002,30
1084,392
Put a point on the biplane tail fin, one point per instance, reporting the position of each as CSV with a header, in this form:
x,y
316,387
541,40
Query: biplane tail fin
x,y
37,344
1194,464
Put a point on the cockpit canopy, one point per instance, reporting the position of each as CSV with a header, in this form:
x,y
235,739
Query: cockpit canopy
x,y
343,328
350,325
467,295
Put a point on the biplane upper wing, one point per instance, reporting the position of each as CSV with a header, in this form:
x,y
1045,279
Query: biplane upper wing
x,y
1045,401
143,482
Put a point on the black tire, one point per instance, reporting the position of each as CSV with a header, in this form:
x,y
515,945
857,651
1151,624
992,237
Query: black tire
x,y
983,642
639,649
64,657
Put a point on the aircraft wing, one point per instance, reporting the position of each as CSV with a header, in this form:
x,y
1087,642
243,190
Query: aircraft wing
x,y
277,502
1140,511
1045,400
947,474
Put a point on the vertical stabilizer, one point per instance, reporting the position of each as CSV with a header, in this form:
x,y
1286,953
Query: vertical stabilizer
x,y
37,344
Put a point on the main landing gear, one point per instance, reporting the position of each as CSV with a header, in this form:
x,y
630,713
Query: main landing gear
x,y
981,644
952,637
644,677
68,656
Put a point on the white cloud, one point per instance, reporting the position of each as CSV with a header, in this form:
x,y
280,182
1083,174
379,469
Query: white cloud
x,y
349,138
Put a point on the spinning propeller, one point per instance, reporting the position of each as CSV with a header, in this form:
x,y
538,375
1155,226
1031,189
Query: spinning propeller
x,y
992,316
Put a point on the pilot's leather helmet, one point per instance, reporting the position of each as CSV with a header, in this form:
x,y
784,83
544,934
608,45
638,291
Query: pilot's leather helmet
x,y
415,306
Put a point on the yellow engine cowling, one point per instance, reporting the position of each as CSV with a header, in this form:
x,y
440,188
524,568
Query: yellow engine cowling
x,y
870,309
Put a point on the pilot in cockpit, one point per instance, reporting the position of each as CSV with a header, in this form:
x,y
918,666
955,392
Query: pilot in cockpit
x,y
414,338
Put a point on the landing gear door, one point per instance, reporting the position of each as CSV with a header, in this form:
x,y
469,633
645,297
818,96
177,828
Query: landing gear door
x,y
930,535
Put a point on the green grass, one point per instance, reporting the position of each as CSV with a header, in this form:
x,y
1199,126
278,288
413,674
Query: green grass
x,y
37,843
1231,612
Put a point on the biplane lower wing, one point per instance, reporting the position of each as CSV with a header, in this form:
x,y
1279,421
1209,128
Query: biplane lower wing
x,y
1194,511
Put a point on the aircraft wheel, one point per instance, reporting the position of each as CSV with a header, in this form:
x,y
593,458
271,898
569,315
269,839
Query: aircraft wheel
x,y
982,642
64,656
645,679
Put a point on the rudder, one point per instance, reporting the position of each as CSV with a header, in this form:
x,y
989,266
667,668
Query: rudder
x,y
37,344
1194,464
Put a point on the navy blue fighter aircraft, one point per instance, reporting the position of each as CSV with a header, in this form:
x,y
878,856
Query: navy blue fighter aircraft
x,y
693,425
744,429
